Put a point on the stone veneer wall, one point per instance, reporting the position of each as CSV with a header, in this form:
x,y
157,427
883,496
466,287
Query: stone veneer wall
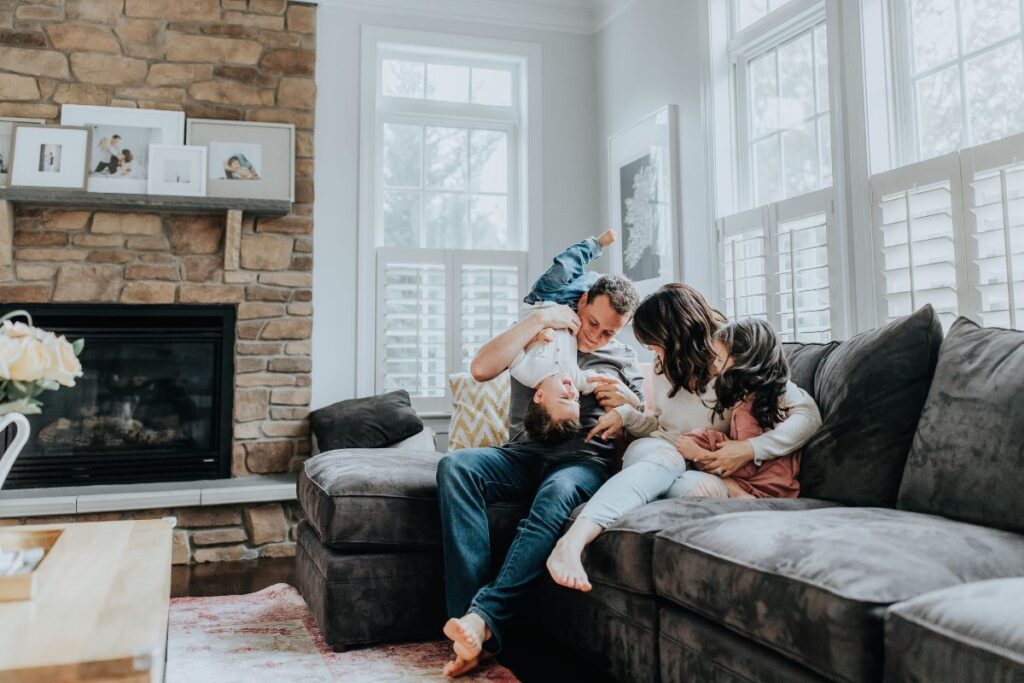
x,y
250,60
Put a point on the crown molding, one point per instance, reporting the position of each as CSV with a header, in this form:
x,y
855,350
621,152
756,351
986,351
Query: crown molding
x,y
571,16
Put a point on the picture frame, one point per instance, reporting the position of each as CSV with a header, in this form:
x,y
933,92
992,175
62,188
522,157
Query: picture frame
x,y
50,157
7,124
178,170
119,142
643,171
239,155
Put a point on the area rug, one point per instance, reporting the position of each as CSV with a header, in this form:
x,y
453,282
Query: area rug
x,y
271,636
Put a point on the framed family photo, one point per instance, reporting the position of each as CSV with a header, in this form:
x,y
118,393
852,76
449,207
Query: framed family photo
x,y
246,159
642,189
120,140
49,156
177,170
7,124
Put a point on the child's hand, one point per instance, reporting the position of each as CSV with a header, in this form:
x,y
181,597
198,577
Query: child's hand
x,y
545,336
606,238
688,448
607,427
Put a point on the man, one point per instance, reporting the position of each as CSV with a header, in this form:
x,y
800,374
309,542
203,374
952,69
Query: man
x,y
555,476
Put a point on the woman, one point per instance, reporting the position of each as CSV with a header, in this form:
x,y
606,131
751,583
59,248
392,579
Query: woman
x,y
678,325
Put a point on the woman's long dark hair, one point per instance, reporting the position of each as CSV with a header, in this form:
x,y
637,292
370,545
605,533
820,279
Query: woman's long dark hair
x,y
759,369
679,320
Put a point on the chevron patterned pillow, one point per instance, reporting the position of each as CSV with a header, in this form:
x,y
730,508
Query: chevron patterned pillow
x,y
480,417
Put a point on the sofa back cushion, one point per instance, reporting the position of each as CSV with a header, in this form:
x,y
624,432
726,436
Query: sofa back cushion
x,y
870,391
370,422
804,360
967,460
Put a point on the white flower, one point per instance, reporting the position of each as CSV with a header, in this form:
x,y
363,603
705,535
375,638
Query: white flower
x,y
31,362
62,363
10,350
16,330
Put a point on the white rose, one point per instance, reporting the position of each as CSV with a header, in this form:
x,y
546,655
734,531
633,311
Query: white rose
x,y
63,365
16,330
10,349
31,362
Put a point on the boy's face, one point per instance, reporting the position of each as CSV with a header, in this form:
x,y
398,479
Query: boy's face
x,y
559,397
234,165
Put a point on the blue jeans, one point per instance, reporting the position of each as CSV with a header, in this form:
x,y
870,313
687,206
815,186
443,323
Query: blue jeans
x,y
467,481
566,280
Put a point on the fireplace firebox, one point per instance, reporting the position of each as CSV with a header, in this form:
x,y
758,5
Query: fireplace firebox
x,y
154,403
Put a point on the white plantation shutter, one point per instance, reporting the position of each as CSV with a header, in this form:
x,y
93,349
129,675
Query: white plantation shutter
x,y
803,305
491,288
917,210
993,179
742,237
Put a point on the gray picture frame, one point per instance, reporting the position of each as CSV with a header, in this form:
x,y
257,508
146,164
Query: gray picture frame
x,y
5,153
22,132
275,141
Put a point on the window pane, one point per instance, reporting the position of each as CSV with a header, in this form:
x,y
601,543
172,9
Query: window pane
x,y
749,11
401,218
933,23
989,21
447,83
413,329
402,79
492,86
489,222
995,81
800,151
764,101
446,158
938,113
446,220
403,160
796,80
488,160
821,66
825,151
767,171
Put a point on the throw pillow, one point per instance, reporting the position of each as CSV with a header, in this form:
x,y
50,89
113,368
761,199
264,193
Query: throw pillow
x,y
966,461
480,416
371,422
870,391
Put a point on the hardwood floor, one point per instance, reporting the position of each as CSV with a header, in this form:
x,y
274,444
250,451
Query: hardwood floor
x,y
532,659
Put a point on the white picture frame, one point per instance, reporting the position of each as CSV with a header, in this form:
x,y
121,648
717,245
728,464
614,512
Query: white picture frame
x,y
110,169
7,124
178,170
643,168
49,157
259,144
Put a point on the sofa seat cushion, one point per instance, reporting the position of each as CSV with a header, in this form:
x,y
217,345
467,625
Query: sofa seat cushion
x,y
973,631
814,584
622,555
386,499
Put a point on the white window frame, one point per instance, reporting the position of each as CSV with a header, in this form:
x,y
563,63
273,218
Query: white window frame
x,y
903,101
524,150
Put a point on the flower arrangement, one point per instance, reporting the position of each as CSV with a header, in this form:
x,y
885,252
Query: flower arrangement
x,y
33,361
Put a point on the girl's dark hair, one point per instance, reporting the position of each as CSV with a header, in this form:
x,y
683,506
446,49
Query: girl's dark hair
x,y
759,369
128,156
679,320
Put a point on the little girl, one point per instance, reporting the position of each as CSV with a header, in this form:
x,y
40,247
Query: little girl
x,y
753,375
678,325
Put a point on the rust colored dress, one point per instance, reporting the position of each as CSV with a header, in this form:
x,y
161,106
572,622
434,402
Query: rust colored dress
x,y
775,478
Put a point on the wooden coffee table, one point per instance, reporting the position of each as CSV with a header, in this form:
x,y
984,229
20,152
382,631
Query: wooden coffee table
x,y
99,612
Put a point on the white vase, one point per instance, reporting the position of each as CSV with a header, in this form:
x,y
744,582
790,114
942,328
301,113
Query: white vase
x,y
20,438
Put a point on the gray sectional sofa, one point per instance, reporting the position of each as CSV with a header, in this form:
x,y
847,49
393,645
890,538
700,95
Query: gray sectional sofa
x,y
903,559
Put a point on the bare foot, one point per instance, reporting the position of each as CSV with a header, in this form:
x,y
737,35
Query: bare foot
x,y
607,237
468,636
459,666
566,567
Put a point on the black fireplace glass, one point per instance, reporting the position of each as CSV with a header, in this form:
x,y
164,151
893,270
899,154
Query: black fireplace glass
x,y
154,402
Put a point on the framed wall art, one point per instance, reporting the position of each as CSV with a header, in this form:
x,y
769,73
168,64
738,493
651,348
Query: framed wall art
x,y
7,124
49,156
246,159
177,170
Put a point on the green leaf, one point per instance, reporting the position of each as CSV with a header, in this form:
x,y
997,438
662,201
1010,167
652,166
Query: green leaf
x,y
48,385
78,345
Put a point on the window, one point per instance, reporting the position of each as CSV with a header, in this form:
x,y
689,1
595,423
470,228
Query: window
x,y
447,131
959,76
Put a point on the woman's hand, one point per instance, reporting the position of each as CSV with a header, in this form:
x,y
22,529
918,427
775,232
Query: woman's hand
x,y
690,449
726,459
612,392
607,427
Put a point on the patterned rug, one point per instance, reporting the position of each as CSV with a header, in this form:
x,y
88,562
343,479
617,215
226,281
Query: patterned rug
x,y
271,636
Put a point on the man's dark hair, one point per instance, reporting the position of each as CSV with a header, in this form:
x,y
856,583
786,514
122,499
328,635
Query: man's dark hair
x,y
115,136
620,292
235,159
542,429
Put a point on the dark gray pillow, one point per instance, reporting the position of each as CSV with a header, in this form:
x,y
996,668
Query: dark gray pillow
x,y
371,422
967,461
804,360
870,390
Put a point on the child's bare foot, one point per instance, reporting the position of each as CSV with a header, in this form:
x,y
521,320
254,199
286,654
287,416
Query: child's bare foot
x,y
459,666
566,567
607,237
468,636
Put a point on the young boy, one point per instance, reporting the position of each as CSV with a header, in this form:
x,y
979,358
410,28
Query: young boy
x,y
549,364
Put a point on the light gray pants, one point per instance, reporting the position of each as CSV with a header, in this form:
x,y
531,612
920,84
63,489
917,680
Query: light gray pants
x,y
651,468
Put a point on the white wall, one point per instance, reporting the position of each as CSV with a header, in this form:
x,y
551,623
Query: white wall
x,y
647,57
571,204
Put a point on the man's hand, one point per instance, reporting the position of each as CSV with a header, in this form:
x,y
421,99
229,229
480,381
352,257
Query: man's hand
x,y
729,457
612,392
607,427
559,317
